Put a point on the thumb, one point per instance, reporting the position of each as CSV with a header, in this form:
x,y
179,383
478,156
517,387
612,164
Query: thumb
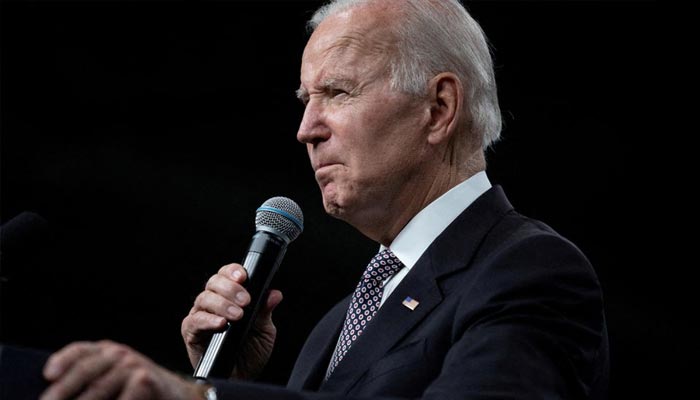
x,y
273,300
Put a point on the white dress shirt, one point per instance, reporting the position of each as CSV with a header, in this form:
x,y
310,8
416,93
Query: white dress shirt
x,y
410,244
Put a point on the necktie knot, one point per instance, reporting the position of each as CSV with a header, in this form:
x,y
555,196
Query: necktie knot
x,y
382,266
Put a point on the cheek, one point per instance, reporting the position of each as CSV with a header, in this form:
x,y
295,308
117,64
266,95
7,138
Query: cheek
x,y
377,139
345,181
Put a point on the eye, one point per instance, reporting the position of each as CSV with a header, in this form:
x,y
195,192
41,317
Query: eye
x,y
335,92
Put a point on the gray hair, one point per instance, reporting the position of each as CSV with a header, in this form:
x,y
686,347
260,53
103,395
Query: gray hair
x,y
439,36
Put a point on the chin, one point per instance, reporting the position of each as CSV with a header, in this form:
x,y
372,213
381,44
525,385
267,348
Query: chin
x,y
334,205
329,195
333,209
339,202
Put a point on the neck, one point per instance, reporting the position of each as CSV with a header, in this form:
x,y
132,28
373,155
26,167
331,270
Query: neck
x,y
417,195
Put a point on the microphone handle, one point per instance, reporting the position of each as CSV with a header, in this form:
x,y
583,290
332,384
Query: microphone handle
x,y
264,256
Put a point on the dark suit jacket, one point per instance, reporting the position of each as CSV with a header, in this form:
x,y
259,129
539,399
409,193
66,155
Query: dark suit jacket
x,y
20,373
508,309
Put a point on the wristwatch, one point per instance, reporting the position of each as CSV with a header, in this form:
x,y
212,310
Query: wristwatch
x,y
206,391
210,394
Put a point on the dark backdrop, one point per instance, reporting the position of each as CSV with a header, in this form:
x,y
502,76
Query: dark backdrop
x,y
147,133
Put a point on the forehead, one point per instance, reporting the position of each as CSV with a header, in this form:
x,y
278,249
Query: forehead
x,y
356,40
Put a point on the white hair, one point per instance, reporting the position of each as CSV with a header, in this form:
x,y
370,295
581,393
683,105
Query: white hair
x,y
433,37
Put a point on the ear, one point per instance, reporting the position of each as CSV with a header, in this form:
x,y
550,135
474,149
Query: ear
x,y
445,93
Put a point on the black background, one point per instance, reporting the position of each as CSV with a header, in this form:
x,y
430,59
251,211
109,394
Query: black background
x,y
147,133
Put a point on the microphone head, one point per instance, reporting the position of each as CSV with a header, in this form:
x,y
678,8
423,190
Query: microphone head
x,y
23,233
281,216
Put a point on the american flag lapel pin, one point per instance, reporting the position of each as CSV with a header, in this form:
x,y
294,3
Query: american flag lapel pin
x,y
410,303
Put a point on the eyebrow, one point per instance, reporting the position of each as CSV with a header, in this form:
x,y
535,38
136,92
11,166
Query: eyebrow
x,y
303,94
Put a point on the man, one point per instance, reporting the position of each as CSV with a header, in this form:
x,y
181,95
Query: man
x,y
467,299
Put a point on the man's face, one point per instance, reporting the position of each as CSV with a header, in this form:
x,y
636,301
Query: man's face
x,y
365,141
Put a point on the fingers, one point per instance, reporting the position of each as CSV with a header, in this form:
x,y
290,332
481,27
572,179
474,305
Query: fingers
x,y
235,271
62,360
218,305
158,383
139,386
202,320
223,299
105,370
109,384
88,368
228,285
229,289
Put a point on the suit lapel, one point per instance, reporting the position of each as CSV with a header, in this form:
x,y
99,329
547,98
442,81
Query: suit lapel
x,y
310,368
392,322
451,251
455,247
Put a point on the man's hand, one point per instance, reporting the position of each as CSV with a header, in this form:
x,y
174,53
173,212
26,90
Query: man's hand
x,y
107,370
223,299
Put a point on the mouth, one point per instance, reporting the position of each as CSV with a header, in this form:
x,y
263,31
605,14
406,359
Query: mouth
x,y
325,173
320,166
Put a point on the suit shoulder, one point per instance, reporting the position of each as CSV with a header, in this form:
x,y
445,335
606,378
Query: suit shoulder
x,y
522,258
523,238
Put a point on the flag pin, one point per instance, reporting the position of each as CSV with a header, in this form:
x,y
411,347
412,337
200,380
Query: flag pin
x,y
410,303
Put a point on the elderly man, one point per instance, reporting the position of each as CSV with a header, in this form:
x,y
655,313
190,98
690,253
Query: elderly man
x,y
466,299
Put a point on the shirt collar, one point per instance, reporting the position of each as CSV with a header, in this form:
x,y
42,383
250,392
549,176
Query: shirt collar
x,y
426,226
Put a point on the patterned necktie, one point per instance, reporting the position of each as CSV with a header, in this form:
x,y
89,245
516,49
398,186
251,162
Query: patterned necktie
x,y
365,302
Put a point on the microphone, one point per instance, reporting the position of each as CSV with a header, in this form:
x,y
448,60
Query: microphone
x,y
278,221
22,240
24,243
22,233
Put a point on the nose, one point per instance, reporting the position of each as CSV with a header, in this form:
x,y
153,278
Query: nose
x,y
313,129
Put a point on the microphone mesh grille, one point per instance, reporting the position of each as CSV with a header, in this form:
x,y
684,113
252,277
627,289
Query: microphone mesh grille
x,y
271,215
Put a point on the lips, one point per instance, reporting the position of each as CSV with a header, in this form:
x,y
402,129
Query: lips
x,y
321,165
324,173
